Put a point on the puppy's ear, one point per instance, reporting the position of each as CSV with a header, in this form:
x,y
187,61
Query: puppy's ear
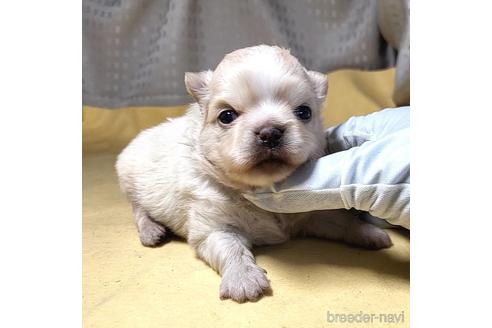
x,y
197,85
320,83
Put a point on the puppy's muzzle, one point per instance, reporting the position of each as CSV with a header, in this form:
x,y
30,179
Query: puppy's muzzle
x,y
270,136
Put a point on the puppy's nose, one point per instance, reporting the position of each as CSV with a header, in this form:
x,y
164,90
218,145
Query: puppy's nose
x,y
269,136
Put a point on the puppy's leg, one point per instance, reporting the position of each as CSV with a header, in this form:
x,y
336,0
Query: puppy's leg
x,y
345,226
151,233
228,252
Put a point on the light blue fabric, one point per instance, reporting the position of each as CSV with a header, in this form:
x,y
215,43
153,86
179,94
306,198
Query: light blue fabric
x,y
368,168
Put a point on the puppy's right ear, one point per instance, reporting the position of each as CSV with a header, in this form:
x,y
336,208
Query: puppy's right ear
x,y
197,85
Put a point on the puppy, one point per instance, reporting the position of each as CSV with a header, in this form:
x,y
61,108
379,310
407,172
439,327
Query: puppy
x,y
255,120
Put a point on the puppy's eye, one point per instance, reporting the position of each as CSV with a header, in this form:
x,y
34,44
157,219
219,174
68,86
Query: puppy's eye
x,y
227,116
303,112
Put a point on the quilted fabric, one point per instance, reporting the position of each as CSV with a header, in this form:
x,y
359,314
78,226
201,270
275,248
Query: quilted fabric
x,y
135,53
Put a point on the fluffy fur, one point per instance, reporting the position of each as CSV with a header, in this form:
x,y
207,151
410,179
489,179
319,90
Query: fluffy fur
x,y
188,174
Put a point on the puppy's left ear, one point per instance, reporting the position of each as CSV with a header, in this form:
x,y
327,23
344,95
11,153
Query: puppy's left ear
x,y
197,85
320,83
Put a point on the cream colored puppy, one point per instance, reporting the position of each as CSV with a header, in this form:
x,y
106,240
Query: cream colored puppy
x,y
255,120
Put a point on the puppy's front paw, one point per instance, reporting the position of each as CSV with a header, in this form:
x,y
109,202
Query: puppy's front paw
x,y
368,236
243,283
152,234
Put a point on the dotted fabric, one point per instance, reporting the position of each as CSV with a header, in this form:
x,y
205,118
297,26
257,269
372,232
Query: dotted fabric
x,y
135,53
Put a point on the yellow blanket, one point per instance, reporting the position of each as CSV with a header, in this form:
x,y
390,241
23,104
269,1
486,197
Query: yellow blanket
x,y
128,285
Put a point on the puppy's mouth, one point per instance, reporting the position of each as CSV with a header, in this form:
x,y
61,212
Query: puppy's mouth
x,y
266,166
271,161
270,164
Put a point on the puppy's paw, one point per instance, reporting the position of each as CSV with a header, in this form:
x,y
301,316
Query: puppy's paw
x,y
152,234
367,236
244,283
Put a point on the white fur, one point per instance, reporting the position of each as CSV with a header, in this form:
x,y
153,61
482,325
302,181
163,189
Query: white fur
x,y
188,174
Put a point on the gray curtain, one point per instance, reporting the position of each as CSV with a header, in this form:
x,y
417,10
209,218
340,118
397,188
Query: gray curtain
x,y
135,53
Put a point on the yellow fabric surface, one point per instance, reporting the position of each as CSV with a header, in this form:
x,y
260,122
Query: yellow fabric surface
x,y
128,285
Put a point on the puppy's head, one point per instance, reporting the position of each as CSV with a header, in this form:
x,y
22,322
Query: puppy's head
x,y
261,112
